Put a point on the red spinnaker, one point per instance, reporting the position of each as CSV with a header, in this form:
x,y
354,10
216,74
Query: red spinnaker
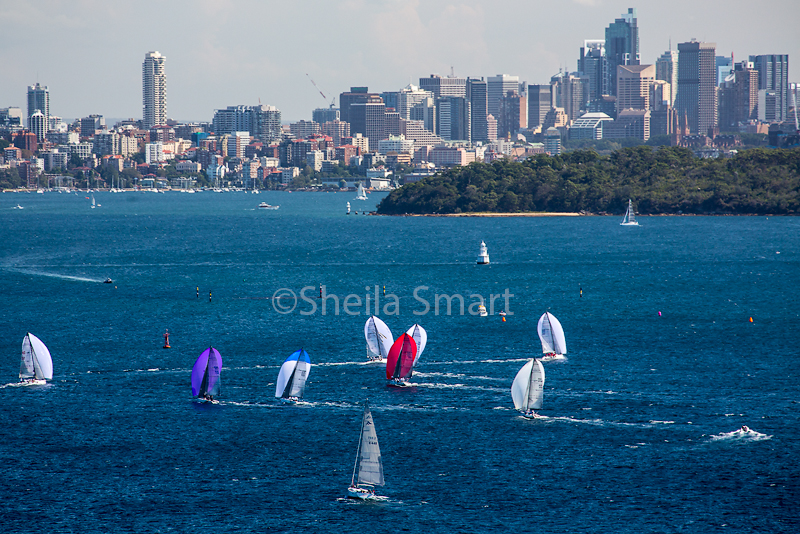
x,y
400,362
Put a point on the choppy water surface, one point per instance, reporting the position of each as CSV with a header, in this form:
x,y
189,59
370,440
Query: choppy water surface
x,y
642,418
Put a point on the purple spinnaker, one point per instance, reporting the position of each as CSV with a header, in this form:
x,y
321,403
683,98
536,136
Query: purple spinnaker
x,y
205,373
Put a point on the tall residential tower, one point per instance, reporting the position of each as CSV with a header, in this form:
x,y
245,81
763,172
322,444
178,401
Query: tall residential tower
x,y
154,90
39,98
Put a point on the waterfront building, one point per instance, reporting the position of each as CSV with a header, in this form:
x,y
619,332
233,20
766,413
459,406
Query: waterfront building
x,y
622,45
154,90
697,89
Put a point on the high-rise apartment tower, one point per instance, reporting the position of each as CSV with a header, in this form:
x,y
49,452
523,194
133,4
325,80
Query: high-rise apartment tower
x,y
154,90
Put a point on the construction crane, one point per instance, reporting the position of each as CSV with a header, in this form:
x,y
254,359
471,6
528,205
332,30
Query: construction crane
x,y
320,91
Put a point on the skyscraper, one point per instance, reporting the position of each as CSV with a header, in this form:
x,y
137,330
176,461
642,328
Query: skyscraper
x,y
39,98
697,86
622,45
478,100
667,70
442,87
592,63
633,86
773,75
154,90
496,88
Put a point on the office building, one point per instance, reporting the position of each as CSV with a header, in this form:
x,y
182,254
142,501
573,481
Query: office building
x,y
443,87
593,64
724,66
667,70
369,119
496,88
513,113
323,115
356,95
697,89
738,97
478,96
39,98
634,83
539,103
453,118
773,75
154,90
622,45
92,124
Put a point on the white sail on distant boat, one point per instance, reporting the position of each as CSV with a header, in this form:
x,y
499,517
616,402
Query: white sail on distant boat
x,y
93,204
527,389
36,366
420,337
630,216
368,469
292,377
362,195
348,208
379,339
551,334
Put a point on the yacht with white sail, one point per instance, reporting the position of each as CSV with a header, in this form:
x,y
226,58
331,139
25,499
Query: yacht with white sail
x,y
36,367
368,469
292,377
362,195
551,334
379,339
527,389
420,337
630,216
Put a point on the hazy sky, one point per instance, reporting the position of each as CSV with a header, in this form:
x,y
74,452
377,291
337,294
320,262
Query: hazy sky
x,y
90,52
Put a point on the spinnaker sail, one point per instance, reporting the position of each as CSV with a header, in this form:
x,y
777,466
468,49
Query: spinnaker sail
x,y
420,338
379,338
551,334
205,374
36,361
292,377
527,389
400,363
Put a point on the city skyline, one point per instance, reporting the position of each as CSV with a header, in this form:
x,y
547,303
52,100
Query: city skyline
x,y
219,58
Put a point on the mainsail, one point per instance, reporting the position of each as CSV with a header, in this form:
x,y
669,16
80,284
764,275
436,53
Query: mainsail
x,y
368,468
528,387
379,337
630,217
420,338
205,373
552,335
400,363
293,375
36,361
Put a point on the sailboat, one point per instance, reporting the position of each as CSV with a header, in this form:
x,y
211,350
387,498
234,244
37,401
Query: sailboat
x,y
368,469
36,366
420,337
362,195
551,335
205,374
348,208
528,388
292,377
400,362
379,339
93,204
630,217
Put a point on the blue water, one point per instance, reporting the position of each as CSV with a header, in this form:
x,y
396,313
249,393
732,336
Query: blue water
x,y
640,418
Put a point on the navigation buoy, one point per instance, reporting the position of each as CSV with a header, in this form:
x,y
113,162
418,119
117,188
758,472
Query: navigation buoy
x,y
209,296
659,314
581,295
166,339
198,291
503,315
751,319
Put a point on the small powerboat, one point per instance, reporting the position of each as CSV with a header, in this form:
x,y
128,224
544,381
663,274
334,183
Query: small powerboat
x,y
108,281
265,206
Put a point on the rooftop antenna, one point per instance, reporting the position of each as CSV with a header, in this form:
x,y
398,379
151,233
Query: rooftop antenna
x,y
452,72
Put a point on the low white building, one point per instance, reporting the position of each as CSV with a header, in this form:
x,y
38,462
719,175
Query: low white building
x,y
396,143
154,152
188,166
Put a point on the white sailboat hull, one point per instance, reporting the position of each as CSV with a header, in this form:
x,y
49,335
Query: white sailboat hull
x,y
361,493
629,224
32,382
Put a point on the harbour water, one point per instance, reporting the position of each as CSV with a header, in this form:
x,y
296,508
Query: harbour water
x,y
639,434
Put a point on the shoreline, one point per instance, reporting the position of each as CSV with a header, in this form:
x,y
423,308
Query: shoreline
x,y
585,214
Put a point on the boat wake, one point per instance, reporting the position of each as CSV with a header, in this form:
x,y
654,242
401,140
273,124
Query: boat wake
x,y
55,275
433,385
742,435
21,385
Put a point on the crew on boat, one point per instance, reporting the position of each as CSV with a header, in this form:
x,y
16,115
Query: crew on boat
x,y
745,428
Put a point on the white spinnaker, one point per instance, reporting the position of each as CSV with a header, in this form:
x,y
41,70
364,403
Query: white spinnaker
x,y
528,387
551,334
36,360
379,337
301,370
370,467
420,337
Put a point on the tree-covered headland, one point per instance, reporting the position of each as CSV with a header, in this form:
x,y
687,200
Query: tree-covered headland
x,y
664,180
